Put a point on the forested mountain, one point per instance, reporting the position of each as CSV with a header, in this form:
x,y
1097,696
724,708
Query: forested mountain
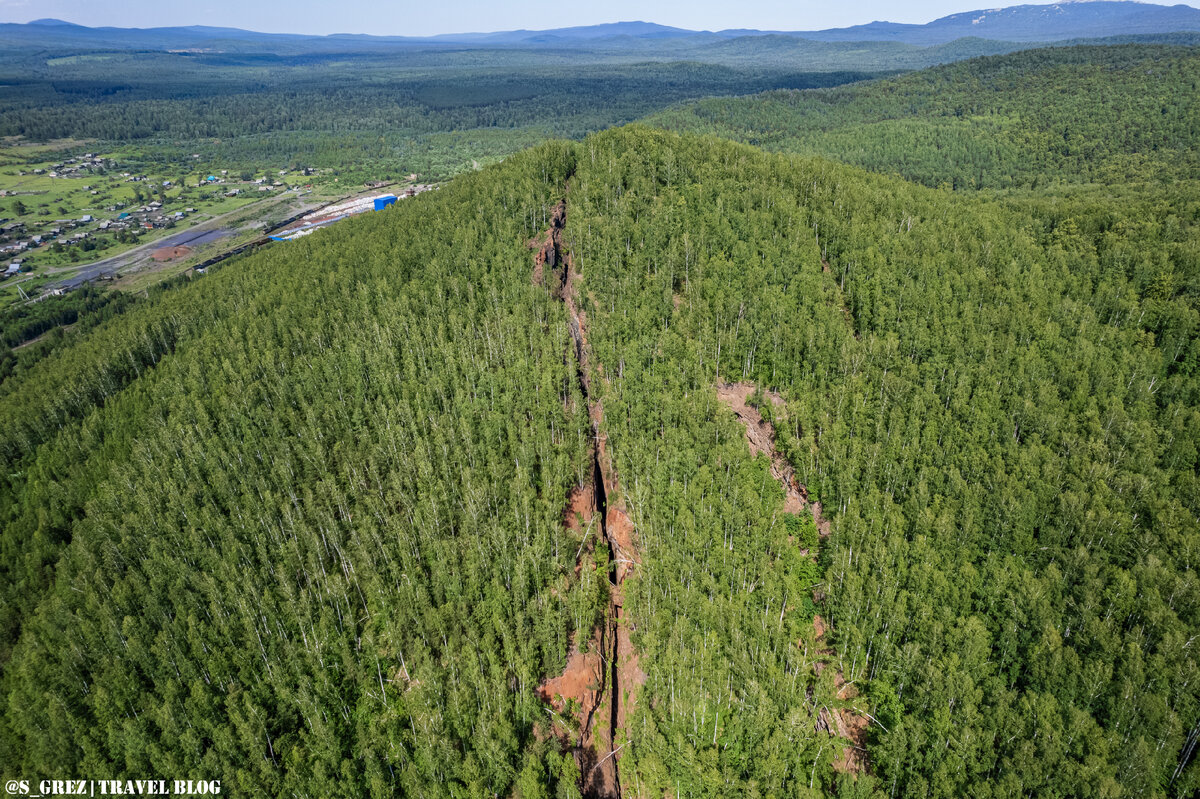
x,y
853,450
1070,114
999,425
439,109
300,524
368,116
316,554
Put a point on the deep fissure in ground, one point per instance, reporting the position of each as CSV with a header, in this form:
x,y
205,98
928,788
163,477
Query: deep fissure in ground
x,y
601,779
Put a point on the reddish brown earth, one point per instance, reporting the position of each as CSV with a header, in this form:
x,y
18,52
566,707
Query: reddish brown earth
x,y
603,682
548,247
848,723
818,627
170,253
852,726
842,722
539,262
579,690
581,506
760,435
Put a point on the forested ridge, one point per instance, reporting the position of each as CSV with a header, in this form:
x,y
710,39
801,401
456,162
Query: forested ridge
x,y
305,524
1005,434
1061,114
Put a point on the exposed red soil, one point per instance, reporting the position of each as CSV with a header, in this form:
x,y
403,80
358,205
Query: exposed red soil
x,y
603,682
581,682
760,435
580,696
618,526
170,253
539,274
632,676
847,723
852,726
548,246
577,517
581,505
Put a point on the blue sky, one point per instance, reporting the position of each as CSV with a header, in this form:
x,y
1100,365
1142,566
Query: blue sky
x,y
404,17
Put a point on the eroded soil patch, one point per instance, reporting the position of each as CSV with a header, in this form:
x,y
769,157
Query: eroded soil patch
x,y
843,722
170,253
760,435
598,687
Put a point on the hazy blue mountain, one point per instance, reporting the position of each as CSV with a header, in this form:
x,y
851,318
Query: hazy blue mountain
x,y
1074,19
55,34
1027,23
639,30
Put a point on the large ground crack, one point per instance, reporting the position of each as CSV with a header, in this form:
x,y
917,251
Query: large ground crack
x,y
605,678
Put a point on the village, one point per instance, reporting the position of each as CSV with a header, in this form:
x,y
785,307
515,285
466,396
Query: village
x,y
121,213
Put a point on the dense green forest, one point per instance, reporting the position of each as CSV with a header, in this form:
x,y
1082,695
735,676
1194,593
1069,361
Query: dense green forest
x,y
1098,114
306,524
297,612
435,111
29,331
300,527
1005,422
372,115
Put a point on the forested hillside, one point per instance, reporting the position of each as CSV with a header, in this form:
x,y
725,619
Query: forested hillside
x,y
299,525
640,465
427,112
1003,422
1094,114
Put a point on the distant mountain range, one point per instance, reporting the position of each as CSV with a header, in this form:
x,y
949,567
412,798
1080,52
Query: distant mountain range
x,y
1044,23
1075,19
